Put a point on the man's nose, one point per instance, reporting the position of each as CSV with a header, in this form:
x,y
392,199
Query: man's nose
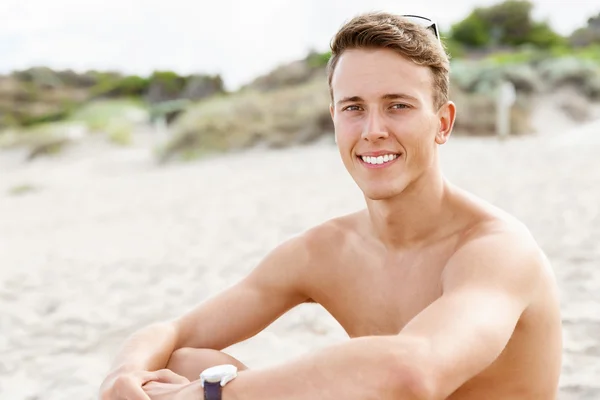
x,y
374,128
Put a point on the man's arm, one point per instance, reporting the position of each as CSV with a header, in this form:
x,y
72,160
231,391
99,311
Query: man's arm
x,y
272,288
487,285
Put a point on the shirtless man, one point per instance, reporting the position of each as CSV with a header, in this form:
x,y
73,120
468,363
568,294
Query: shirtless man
x,y
443,295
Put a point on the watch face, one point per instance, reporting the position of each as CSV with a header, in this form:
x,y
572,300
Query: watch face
x,y
217,373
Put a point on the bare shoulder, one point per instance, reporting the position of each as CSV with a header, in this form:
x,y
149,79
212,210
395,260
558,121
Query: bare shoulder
x,y
327,239
292,262
499,252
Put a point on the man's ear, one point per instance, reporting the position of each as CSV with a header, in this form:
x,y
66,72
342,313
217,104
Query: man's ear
x,y
447,116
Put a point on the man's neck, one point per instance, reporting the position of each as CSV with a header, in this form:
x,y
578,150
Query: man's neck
x,y
414,216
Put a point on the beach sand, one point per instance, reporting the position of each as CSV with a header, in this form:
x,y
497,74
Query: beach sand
x,y
100,242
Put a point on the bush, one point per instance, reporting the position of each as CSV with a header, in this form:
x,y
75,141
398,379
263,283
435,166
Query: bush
x,y
100,114
291,74
318,60
454,48
582,74
473,31
165,85
590,53
542,36
129,86
278,118
26,119
508,23
484,77
8,120
476,114
120,133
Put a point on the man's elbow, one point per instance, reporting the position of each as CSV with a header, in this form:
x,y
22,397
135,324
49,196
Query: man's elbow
x,y
411,378
413,384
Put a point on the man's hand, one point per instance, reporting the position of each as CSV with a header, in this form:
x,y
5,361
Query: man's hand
x,y
173,391
124,384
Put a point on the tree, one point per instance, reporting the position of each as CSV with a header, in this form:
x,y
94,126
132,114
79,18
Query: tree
x,y
542,36
508,23
472,31
511,21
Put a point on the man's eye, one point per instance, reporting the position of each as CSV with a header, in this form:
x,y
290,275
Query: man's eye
x,y
352,108
400,106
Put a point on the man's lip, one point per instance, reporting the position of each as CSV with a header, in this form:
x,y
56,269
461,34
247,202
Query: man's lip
x,y
378,153
385,164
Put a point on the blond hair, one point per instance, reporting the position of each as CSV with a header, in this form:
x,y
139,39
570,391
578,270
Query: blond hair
x,y
379,30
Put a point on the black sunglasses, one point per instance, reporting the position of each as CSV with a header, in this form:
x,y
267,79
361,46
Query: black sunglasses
x,y
426,22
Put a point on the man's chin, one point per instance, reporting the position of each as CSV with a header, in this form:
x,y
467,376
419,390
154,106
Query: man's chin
x,y
381,193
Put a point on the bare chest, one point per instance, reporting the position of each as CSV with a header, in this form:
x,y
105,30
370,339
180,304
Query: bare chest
x,y
379,295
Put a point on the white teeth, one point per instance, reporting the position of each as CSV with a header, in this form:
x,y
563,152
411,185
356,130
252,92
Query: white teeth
x,y
380,159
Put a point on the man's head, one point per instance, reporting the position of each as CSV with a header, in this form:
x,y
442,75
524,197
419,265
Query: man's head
x,y
388,79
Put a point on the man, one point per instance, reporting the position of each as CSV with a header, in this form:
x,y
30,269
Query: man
x,y
443,296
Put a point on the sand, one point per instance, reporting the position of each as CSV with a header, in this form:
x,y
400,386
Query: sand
x,y
106,242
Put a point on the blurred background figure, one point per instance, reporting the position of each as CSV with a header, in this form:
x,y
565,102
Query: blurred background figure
x,y
152,152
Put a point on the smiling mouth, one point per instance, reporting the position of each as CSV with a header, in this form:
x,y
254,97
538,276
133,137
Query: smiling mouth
x,y
379,160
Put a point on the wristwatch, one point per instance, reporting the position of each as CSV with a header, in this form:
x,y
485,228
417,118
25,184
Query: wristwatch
x,y
214,378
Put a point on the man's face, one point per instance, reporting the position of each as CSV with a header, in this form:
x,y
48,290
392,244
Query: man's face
x,y
386,126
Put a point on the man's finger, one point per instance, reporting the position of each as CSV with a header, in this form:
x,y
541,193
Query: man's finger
x,y
168,376
130,389
136,393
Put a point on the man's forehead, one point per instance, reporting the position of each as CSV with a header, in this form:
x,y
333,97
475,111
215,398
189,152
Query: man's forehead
x,y
378,72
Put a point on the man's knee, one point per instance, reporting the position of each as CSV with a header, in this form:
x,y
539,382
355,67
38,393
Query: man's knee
x,y
190,362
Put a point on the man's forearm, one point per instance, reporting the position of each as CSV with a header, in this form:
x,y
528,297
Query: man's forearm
x,y
147,349
362,368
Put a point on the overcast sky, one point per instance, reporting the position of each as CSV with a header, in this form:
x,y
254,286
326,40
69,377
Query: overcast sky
x,y
236,38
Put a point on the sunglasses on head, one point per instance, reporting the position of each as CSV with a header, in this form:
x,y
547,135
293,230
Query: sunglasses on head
x,y
426,22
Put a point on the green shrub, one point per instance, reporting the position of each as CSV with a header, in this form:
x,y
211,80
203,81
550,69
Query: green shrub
x,y
473,31
8,120
19,190
583,74
120,133
454,48
542,36
99,114
278,118
128,86
484,77
27,120
168,81
317,60
508,23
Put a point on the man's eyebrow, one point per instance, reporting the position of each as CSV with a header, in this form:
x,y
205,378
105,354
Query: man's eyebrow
x,y
349,99
387,96
394,96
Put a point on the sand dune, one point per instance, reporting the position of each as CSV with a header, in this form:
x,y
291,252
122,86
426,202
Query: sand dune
x,y
106,242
